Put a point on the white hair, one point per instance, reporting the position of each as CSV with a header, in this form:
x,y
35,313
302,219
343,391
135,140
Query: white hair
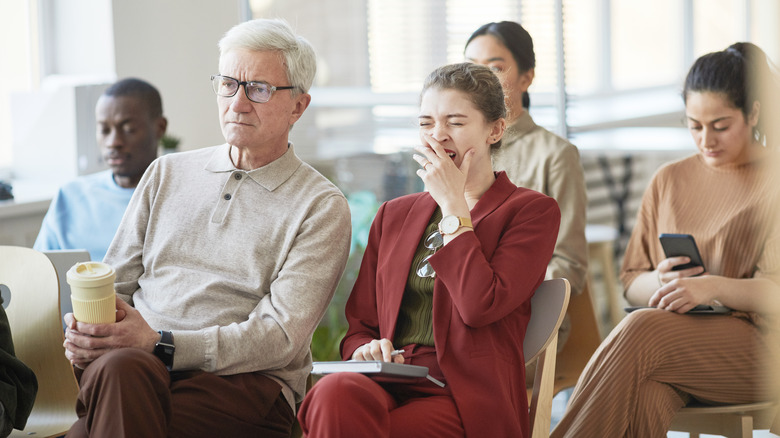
x,y
300,62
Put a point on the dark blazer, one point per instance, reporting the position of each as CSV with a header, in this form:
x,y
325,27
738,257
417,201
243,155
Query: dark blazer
x,y
481,296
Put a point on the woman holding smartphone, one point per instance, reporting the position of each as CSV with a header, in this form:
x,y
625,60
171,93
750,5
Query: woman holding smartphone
x,y
659,359
447,277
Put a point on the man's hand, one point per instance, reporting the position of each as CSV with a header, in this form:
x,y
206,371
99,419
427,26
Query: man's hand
x,y
86,342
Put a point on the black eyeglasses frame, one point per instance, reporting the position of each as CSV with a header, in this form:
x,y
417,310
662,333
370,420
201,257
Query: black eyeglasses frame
x,y
272,88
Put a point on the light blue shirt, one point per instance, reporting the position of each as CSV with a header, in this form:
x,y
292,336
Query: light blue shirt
x,y
85,214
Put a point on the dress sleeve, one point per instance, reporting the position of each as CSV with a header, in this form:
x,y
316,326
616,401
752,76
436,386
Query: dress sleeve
x,y
638,256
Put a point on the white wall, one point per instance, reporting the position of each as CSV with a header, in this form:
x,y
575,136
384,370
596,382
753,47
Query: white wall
x,y
173,45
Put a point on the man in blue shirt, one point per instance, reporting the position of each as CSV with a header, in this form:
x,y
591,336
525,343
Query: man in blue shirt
x,y
86,212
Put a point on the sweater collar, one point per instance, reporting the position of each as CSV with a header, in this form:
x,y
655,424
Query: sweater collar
x,y
270,176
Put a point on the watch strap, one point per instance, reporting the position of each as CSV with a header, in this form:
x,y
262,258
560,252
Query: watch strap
x,y
463,222
164,349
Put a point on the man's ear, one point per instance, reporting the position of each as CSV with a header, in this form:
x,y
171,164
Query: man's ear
x,y
161,125
302,102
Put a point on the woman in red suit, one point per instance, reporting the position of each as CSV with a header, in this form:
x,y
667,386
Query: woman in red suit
x,y
447,277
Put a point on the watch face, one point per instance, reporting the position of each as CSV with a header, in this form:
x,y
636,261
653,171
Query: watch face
x,y
449,224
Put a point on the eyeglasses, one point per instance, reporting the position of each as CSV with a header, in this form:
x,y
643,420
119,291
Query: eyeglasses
x,y
258,92
432,242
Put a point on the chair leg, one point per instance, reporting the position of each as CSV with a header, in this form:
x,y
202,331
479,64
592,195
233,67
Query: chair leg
x,y
541,400
743,428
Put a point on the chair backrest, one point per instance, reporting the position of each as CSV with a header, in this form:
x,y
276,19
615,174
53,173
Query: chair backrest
x,y
34,316
548,307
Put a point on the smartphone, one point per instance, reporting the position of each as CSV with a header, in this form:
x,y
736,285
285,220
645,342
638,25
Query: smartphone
x,y
676,245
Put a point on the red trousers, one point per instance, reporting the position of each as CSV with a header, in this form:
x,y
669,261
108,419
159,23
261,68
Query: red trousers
x,y
130,393
352,405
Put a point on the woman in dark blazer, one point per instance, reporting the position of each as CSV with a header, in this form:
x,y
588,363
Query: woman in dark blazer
x,y
447,277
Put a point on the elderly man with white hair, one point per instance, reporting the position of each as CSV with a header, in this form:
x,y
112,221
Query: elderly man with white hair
x,y
226,260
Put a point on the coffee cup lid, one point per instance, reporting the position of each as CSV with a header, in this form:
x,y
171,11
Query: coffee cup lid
x,y
91,271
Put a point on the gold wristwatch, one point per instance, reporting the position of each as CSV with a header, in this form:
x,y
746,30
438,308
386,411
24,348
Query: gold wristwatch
x,y
450,224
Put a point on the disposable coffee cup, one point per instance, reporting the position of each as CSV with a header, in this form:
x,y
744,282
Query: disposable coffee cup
x,y
92,292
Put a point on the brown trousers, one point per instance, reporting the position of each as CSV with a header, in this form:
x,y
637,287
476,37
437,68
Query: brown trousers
x,y
130,393
654,362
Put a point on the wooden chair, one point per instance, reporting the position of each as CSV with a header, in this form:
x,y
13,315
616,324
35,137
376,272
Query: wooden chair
x,y
34,315
583,341
548,307
737,421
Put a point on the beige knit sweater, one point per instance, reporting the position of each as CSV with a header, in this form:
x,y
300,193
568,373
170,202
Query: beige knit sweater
x,y
240,265
730,211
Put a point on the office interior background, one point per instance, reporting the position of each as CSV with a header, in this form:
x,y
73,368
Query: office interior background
x,y
608,76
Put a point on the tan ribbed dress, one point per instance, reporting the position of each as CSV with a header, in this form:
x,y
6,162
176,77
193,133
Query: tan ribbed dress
x,y
655,361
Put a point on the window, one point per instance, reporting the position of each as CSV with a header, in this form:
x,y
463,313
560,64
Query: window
x,y
717,24
18,64
646,43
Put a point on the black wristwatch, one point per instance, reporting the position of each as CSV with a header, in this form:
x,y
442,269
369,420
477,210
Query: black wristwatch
x,y
164,348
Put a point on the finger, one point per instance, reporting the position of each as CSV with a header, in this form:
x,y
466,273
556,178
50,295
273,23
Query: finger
x,y
690,272
676,261
679,305
70,321
387,350
358,354
438,149
427,151
398,358
79,341
121,304
465,165
422,161
658,295
374,350
94,329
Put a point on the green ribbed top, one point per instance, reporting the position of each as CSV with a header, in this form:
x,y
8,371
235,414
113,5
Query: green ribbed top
x,y
415,319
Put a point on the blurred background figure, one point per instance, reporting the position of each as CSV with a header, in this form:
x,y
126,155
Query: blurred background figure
x,y
532,156
86,212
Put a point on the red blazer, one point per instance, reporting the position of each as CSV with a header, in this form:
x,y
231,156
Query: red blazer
x,y
481,296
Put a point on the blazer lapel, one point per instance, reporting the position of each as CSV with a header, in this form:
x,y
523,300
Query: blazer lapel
x,y
406,241
501,189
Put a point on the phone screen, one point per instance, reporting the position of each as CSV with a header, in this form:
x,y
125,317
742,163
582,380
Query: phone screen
x,y
676,245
